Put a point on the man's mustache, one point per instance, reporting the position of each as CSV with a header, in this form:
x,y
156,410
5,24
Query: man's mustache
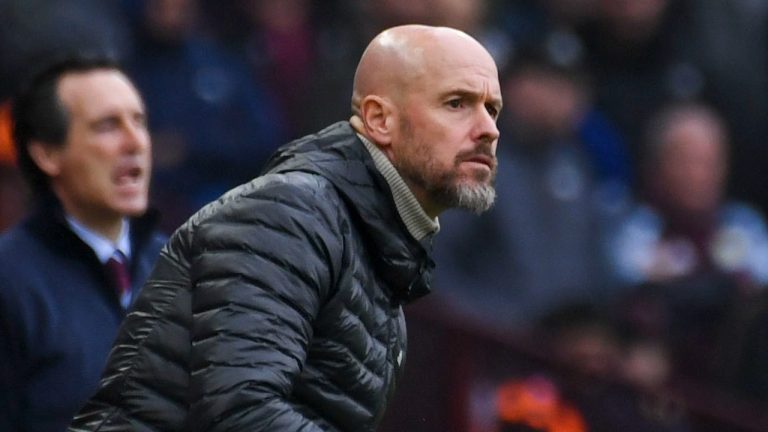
x,y
483,153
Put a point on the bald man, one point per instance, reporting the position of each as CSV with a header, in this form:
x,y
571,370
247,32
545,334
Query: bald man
x,y
278,306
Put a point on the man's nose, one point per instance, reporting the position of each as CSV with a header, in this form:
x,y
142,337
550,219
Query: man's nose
x,y
135,137
487,129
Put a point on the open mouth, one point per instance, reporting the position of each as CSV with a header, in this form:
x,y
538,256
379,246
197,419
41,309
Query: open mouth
x,y
129,176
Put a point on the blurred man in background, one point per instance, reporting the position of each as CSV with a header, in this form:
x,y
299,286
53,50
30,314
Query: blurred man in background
x,y
686,224
71,268
692,261
207,109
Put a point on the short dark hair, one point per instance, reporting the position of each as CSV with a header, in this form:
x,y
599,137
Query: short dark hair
x,y
39,115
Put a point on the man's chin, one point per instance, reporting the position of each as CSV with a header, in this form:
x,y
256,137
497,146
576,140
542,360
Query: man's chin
x,y
475,197
477,181
479,174
132,209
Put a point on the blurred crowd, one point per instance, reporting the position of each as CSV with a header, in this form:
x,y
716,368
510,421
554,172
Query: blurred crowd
x,y
619,282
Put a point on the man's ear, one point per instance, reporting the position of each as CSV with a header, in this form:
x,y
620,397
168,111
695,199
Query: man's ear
x,y
47,157
378,117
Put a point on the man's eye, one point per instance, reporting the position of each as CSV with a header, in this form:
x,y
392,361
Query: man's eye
x,y
106,125
492,110
454,103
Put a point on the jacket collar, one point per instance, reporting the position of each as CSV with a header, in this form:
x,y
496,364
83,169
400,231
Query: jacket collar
x,y
419,224
49,222
337,154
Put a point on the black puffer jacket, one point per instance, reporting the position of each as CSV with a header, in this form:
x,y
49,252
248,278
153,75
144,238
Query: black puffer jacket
x,y
275,308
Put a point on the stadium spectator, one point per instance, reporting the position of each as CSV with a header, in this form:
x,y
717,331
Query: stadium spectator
x,y
213,124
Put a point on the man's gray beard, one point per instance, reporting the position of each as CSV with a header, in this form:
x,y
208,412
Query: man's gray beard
x,y
421,170
476,198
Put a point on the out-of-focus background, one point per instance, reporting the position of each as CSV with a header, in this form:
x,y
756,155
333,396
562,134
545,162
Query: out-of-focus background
x,y
618,284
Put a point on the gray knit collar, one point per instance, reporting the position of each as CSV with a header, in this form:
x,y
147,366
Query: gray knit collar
x,y
419,224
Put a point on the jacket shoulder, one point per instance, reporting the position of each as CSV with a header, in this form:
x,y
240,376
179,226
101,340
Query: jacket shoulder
x,y
252,201
22,252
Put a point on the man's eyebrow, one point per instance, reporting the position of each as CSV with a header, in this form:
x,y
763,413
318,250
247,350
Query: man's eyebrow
x,y
103,116
112,115
472,95
463,92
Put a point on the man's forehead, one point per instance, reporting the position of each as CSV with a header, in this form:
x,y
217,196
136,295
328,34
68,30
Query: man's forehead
x,y
465,78
460,61
97,90
87,79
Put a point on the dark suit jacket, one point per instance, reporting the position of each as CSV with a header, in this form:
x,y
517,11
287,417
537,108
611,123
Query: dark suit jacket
x,y
58,317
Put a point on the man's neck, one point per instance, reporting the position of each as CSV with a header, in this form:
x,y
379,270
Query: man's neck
x,y
108,227
103,246
418,222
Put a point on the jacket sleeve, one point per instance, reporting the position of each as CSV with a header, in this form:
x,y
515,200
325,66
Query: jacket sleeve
x,y
261,275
